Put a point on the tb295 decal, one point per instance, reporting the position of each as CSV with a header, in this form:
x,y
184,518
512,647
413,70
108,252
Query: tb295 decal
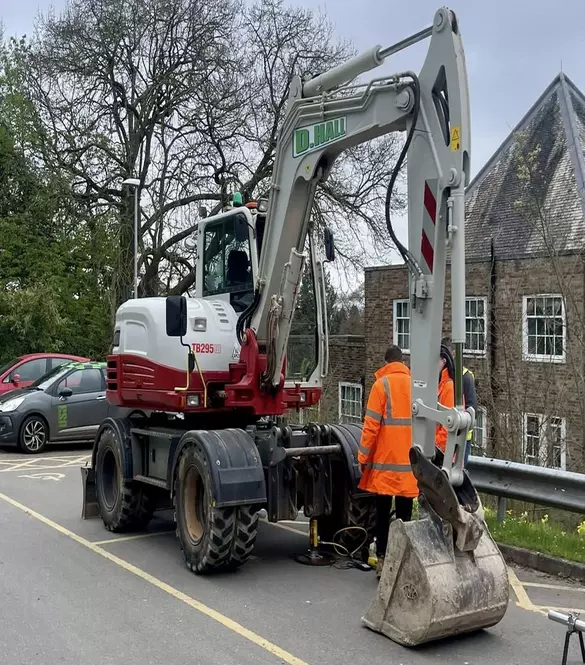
x,y
202,347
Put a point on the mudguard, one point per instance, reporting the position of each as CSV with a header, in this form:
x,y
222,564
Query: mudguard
x,y
234,462
348,437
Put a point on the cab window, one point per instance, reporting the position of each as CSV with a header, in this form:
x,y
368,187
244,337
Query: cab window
x,y
227,265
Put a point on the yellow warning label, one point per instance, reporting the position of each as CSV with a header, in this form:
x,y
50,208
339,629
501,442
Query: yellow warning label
x,y
455,138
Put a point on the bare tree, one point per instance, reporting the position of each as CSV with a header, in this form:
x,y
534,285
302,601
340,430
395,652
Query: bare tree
x,y
188,95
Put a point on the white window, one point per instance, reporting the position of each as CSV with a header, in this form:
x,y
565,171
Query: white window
x,y
479,442
544,328
401,325
544,440
475,325
350,403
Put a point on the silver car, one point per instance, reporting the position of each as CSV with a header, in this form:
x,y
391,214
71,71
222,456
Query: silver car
x,y
66,405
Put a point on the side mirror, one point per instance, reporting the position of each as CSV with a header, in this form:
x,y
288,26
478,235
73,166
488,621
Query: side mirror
x,y
16,379
329,244
65,392
176,315
241,228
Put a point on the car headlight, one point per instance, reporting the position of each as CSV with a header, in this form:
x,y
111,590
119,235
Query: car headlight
x,y
12,404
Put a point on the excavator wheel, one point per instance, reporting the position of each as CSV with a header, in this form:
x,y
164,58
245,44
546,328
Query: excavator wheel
x,y
212,539
123,504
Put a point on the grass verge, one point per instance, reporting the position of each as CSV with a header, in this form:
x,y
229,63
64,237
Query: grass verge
x,y
539,536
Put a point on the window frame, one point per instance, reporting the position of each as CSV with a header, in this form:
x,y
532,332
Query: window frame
x,y
542,433
221,225
395,304
484,431
472,352
73,371
536,357
349,384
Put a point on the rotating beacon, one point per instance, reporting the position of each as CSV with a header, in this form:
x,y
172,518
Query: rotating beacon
x,y
204,397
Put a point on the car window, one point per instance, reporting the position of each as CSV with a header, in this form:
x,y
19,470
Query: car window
x,y
31,370
57,362
83,381
6,367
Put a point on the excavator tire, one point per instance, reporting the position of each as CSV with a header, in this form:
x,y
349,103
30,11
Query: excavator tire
x,y
212,539
123,504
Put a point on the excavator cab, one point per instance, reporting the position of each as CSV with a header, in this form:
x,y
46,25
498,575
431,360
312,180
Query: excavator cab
x,y
229,267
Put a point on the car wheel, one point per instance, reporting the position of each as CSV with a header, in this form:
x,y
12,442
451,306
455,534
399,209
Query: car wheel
x,y
34,435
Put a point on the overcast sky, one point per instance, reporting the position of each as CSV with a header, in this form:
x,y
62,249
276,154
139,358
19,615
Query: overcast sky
x,y
514,49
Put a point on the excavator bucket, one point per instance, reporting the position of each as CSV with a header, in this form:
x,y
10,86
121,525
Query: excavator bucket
x,y
443,574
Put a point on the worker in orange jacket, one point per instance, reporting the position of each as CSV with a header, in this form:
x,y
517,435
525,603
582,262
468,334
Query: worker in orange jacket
x,y
384,447
446,392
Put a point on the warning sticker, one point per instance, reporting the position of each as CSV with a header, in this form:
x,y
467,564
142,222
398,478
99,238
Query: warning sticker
x,y
455,138
62,415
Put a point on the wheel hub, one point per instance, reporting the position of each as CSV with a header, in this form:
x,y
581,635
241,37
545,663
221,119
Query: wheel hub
x,y
194,504
34,435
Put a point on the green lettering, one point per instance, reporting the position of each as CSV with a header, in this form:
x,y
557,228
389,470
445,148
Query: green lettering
x,y
342,126
330,131
319,134
301,141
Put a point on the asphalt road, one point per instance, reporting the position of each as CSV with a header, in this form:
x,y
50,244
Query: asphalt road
x,y
71,598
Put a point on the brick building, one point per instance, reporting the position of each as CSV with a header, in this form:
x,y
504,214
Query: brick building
x,y
525,287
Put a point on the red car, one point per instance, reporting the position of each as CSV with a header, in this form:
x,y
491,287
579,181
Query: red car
x,y
21,372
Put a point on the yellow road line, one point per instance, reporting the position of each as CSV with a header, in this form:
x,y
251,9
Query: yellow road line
x,y
163,586
540,585
522,599
124,539
546,608
20,466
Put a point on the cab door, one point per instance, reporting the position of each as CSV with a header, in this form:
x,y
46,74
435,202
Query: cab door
x,y
76,417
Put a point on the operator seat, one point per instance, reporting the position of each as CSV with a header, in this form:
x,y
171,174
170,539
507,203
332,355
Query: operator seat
x,y
238,267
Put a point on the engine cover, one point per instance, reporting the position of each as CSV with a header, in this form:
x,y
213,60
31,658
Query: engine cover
x,y
211,333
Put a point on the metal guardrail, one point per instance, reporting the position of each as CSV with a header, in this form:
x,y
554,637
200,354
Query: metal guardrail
x,y
524,482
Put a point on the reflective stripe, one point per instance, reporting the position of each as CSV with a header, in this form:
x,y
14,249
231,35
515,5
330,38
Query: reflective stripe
x,y
376,416
397,422
365,451
402,468
389,421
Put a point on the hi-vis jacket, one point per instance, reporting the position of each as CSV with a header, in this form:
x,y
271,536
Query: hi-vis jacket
x,y
386,435
447,398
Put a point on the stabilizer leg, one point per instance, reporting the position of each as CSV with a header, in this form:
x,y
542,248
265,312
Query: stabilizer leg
x,y
89,508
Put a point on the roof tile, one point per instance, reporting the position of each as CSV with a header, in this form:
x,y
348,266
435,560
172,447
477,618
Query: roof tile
x,y
530,196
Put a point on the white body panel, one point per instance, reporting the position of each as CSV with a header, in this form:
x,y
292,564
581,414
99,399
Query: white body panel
x,y
143,333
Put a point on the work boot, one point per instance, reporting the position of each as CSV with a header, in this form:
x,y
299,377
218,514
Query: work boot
x,y
379,566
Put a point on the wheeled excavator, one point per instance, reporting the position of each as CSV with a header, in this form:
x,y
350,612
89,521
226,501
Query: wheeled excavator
x,y
204,393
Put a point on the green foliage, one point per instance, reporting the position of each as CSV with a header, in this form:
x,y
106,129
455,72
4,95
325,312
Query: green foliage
x,y
539,536
54,270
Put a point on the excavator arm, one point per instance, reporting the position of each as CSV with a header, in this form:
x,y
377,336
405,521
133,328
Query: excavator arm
x,y
326,116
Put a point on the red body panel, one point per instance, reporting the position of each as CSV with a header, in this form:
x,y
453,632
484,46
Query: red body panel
x,y
137,382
